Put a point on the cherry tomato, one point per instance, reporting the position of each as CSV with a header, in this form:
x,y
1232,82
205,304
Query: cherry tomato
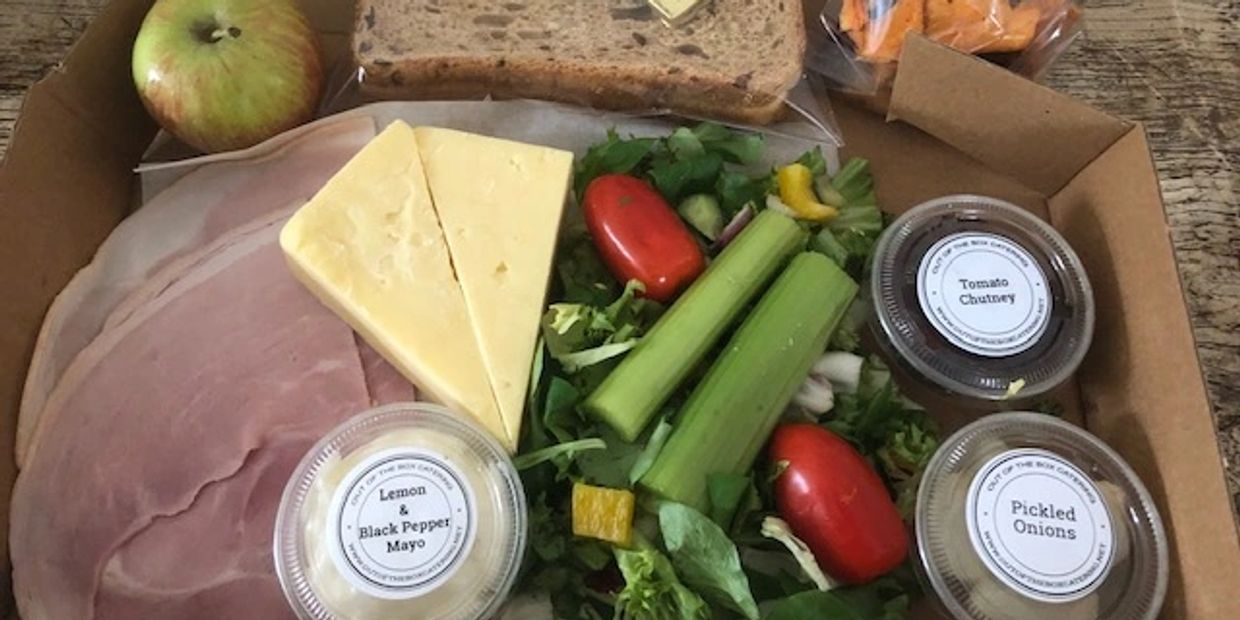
x,y
640,237
837,504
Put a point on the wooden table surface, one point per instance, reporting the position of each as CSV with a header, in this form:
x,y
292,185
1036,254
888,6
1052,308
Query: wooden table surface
x,y
1171,64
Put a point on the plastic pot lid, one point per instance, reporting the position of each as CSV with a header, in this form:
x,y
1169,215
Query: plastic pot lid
x,y
1025,516
980,298
406,510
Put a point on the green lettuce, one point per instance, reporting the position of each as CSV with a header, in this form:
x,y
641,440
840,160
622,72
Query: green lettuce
x,y
651,589
706,558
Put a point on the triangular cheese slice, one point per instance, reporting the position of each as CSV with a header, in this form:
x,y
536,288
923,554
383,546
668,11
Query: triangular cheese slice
x,y
500,204
370,246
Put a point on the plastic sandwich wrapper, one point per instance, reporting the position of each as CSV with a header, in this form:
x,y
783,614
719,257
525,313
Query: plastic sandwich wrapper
x,y
695,59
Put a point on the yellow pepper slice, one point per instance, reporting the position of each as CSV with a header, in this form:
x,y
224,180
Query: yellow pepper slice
x,y
796,189
602,513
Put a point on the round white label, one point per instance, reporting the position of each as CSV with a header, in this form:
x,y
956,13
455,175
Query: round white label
x,y
402,521
1040,525
984,293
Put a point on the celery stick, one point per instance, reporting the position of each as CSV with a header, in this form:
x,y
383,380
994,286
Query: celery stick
x,y
639,386
730,414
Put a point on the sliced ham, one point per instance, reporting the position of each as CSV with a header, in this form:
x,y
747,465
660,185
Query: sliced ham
x,y
192,213
229,575
152,491
169,275
383,381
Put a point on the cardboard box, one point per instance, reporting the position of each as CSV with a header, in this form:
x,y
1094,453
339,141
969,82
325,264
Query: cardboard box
x,y
958,125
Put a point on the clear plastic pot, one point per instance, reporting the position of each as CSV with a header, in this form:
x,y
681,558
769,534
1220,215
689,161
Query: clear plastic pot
x,y
978,298
1022,516
406,511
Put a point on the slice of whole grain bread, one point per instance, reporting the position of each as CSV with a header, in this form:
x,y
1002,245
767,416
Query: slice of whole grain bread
x,y
734,61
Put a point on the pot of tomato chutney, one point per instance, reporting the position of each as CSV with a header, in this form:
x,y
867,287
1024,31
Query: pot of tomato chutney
x,y
980,299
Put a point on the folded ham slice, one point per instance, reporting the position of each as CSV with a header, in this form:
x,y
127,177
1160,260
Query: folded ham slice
x,y
229,574
152,489
198,209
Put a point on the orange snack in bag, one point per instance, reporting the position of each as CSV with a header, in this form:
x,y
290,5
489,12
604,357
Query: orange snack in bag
x,y
980,26
972,26
880,40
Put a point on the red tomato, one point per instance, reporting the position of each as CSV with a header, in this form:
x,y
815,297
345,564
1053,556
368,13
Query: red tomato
x,y
640,237
837,504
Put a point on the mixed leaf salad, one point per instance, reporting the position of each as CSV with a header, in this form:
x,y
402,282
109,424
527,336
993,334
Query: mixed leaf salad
x,y
701,398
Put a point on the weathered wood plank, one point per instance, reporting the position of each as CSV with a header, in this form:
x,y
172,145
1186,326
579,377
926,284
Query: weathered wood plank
x,y
1172,64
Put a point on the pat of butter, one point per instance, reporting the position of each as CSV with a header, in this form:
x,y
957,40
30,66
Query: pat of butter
x,y
676,12
369,246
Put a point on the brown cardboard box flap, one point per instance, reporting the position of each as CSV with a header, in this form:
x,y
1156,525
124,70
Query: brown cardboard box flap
x,y
1024,130
1141,385
65,182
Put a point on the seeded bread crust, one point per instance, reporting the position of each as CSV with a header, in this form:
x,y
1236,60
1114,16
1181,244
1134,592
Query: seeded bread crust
x,y
734,61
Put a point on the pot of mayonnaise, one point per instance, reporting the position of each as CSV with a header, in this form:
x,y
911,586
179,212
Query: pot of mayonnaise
x,y
404,512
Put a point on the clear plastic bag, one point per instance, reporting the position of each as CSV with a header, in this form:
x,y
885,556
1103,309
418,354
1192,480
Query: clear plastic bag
x,y
733,61
857,43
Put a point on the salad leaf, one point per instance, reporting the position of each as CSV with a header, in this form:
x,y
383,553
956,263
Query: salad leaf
x,y
854,182
615,155
777,529
580,335
594,554
527,608
556,566
654,445
813,605
706,558
864,219
547,537
610,467
588,378
815,161
849,249
582,276
577,360
826,243
867,416
684,143
559,411
847,335
560,454
742,148
773,575
905,455
676,179
534,435
652,590
885,598
737,189
734,147
908,448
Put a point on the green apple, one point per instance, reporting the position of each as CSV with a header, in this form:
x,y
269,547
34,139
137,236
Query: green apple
x,y
227,74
